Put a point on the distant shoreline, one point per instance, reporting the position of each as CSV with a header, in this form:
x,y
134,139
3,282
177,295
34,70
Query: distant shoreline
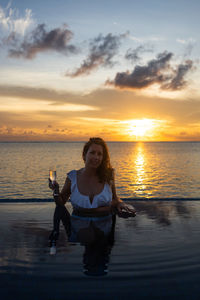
x,y
63,142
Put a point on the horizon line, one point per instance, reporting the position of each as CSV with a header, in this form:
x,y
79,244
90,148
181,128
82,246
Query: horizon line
x,y
107,141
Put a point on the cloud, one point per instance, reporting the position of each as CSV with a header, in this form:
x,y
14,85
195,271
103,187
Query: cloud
x,y
40,40
157,71
186,41
102,50
10,21
145,39
25,39
181,41
177,82
33,93
143,76
108,104
112,106
188,50
133,55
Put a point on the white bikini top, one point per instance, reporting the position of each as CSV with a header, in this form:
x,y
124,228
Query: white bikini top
x,y
79,200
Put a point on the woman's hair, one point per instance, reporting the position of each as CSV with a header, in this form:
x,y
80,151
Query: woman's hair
x,y
105,170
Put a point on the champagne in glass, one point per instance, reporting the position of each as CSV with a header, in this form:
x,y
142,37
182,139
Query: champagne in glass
x,y
52,175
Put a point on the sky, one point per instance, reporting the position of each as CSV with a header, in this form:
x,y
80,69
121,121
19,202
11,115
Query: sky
x,y
121,70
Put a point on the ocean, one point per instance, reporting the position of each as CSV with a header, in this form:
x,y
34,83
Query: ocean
x,y
143,169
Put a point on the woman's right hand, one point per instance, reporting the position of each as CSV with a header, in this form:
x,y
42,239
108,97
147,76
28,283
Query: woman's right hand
x,y
54,186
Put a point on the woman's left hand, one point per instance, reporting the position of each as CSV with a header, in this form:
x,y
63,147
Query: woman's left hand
x,y
123,207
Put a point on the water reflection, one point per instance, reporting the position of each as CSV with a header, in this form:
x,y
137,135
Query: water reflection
x,y
149,258
23,238
156,170
137,183
170,169
140,170
96,234
98,242
163,212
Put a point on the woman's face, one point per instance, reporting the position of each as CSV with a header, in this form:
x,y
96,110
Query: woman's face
x,y
94,156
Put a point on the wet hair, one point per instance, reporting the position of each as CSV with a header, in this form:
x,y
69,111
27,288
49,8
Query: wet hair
x,y
105,170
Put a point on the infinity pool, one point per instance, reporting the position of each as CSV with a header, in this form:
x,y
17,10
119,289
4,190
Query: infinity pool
x,y
154,255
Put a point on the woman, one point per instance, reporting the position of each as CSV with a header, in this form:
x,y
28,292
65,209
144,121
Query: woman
x,y
91,189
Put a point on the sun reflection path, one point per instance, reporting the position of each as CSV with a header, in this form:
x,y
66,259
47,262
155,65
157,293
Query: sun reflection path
x,y
140,169
139,184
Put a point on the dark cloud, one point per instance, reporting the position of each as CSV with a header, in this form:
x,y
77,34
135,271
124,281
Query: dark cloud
x,y
157,71
11,40
143,76
40,40
178,82
188,50
133,55
102,50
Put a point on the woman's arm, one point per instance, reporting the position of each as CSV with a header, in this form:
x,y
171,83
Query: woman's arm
x,y
117,203
115,198
66,191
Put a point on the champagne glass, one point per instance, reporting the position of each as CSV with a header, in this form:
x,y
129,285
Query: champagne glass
x,y
52,175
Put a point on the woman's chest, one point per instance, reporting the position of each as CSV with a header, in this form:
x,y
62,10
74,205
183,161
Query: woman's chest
x,y
89,187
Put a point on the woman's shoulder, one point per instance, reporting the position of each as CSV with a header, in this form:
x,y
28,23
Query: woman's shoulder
x,y
73,173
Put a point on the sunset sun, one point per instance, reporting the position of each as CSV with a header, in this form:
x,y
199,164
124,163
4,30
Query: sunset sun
x,y
142,128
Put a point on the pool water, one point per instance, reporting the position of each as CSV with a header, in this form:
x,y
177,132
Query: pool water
x,y
154,255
